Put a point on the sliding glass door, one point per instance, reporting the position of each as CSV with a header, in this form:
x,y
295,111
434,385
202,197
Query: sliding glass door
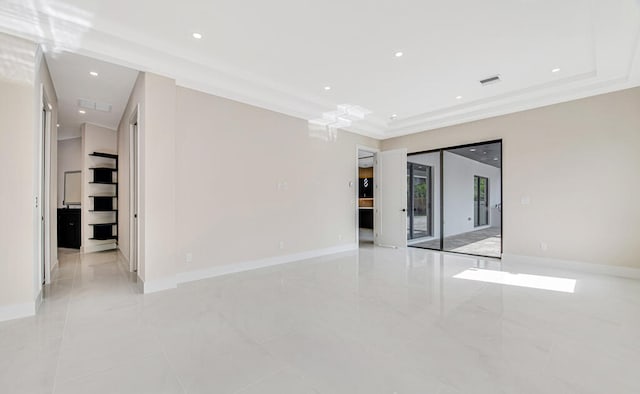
x,y
419,201
480,201
463,212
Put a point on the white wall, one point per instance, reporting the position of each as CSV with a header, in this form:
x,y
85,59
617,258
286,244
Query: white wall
x,y
231,159
18,156
69,159
23,74
96,139
570,176
198,197
158,178
458,198
154,95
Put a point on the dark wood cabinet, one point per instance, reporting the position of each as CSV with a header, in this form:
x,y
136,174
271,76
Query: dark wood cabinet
x,y
69,228
366,218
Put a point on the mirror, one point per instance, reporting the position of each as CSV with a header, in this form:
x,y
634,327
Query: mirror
x,y
72,188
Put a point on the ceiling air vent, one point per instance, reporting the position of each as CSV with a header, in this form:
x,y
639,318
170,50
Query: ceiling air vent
x,y
490,80
90,104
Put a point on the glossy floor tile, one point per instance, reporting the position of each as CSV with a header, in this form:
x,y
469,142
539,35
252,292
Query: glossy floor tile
x,y
373,321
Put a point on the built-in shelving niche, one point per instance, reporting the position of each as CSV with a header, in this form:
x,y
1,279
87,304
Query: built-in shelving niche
x,y
105,204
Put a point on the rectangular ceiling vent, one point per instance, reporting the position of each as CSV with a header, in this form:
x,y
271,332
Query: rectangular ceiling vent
x,y
89,104
490,80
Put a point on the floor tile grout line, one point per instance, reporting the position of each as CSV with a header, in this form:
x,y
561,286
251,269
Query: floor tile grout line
x,y
66,320
171,366
258,381
110,368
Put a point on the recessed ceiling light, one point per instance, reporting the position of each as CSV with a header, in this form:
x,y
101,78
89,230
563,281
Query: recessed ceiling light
x,y
327,88
82,111
93,73
472,150
495,158
197,36
399,54
555,70
58,125
484,153
393,117
458,97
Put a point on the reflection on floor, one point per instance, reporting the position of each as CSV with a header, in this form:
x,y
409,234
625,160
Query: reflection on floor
x,y
372,321
485,242
365,235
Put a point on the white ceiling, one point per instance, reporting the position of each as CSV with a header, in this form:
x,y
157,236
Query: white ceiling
x,y
72,81
280,54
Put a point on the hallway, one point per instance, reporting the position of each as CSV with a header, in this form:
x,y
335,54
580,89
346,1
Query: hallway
x,y
373,321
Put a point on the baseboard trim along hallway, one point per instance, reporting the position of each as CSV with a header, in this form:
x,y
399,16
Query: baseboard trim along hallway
x,y
168,283
17,311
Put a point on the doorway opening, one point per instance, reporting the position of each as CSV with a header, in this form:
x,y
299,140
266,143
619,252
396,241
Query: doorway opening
x,y
466,182
134,177
365,195
89,193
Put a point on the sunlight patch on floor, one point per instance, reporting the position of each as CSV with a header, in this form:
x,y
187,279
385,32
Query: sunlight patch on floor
x,y
522,280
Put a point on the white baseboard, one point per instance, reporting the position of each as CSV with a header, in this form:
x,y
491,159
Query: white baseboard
x,y
155,285
17,311
124,258
38,301
190,276
139,284
601,269
99,248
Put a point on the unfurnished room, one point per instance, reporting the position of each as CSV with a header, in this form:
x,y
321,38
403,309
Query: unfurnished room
x,y
329,197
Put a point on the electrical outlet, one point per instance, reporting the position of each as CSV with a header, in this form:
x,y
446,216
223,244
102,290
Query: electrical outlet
x,y
189,257
544,246
282,186
281,244
339,237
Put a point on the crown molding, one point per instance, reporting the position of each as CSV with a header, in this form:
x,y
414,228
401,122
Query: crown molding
x,y
148,55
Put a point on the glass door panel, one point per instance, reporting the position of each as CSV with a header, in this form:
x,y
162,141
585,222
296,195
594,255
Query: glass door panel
x,y
472,185
419,199
481,201
423,200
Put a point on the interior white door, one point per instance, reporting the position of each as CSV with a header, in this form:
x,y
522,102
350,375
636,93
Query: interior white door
x,y
390,199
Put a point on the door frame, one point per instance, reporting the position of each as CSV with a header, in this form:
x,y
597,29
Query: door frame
x,y
410,199
356,187
44,206
441,151
134,189
476,204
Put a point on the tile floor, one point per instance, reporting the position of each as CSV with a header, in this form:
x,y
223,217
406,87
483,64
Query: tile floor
x,y
485,242
373,321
